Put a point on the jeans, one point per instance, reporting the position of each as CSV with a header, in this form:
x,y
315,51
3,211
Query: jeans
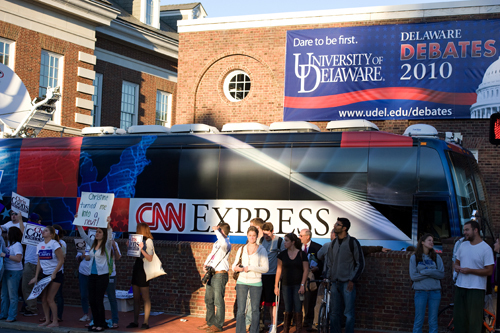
x,y
342,300
111,291
214,297
10,286
432,298
242,292
97,288
84,292
291,298
248,317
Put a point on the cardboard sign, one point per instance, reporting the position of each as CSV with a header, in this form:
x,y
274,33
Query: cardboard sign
x,y
20,204
39,287
80,245
32,234
94,209
133,249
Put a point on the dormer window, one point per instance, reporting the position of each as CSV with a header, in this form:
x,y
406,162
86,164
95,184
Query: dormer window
x,y
150,12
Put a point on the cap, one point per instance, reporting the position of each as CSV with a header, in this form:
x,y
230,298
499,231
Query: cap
x,y
34,217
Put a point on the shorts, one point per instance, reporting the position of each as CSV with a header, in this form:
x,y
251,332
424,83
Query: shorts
x,y
59,277
268,296
138,274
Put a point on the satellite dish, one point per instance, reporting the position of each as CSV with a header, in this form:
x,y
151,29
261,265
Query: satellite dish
x,y
15,101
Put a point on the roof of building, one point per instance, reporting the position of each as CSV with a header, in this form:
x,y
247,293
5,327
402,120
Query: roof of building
x,y
103,1
181,6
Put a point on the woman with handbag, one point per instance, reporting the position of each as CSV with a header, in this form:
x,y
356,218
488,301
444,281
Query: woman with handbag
x,y
293,268
252,262
140,283
101,266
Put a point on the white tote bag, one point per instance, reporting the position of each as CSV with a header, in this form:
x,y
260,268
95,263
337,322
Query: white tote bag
x,y
154,268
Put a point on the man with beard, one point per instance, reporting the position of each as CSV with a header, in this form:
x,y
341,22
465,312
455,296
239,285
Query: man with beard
x,y
474,264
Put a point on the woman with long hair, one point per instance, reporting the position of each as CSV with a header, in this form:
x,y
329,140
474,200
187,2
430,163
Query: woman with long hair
x,y
426,271
292,269
101,266
140,286
254,262
50,262
12,274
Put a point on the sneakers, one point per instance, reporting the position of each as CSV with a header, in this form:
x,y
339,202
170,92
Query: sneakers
x,y
28,313
272,329
85,318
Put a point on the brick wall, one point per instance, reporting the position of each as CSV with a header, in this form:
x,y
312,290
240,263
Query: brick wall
x,y
384,295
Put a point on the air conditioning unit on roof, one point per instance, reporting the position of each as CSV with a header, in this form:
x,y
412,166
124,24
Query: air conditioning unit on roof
x,y
351,125
148,129
244,127
193,128
293,126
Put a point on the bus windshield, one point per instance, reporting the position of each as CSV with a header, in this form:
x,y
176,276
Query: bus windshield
x,y
469,189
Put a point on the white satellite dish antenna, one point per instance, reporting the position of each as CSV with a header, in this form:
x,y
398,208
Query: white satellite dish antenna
x,y
15,101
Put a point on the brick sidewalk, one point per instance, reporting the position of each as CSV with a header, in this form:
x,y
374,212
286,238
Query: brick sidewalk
x,y
158,324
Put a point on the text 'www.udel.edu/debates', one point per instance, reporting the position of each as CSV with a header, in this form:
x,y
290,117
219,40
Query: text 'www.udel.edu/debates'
x,y
384,112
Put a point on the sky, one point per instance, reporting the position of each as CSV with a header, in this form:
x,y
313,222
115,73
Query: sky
x,y
221,8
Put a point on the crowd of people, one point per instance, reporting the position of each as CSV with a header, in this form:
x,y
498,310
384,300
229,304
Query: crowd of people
x,y
266,268
25,267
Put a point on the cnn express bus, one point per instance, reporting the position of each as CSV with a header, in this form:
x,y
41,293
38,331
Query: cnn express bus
x,y
393,188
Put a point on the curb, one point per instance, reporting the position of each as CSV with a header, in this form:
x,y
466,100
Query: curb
x,y
24,326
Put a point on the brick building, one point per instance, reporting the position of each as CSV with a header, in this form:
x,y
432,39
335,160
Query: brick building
x,y
116,61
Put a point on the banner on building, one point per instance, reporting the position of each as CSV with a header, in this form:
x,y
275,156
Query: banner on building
x,y
443,70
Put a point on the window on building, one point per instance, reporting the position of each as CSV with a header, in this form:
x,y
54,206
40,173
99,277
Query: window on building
x,y
149,12
6,49
97,99
237,86
51,68
163,108
130,104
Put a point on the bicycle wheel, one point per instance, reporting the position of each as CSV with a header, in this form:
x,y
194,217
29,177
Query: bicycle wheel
x,y
323,320
445,319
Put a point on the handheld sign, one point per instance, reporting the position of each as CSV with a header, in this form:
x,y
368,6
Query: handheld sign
x,y
133,249
80,245
32,234
20,204
94,209
39,287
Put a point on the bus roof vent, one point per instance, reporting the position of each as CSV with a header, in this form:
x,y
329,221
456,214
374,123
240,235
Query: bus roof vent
x,y
192,128
351,125
148,129
103,130
293,126
244,127
421,130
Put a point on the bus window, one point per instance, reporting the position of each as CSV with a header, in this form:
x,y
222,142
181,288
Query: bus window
x,y
254,173
431,173
198,173
433,218
392,175
329,173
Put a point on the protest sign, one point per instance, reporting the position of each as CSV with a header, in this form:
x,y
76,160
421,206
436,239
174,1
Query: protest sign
x,y
80,245
94,209
133,249
32,234
20,204
39,287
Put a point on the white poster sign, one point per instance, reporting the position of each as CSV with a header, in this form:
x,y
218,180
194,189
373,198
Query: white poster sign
x,y
94,209
133,249
39,287
20,204
32,234
80,245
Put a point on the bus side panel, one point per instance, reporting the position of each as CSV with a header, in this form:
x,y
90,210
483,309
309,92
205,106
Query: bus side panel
x,y
9,162
49,167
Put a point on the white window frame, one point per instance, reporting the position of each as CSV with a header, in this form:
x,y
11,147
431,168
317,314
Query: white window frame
x,y
164,106
227,81
129,100
155,18
97,99
12,48
56,117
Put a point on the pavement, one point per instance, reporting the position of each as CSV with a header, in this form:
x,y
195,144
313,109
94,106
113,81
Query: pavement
x,y
170,323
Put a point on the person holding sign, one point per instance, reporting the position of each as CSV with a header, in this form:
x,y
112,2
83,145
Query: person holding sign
x,y
12,275
140,285
50,261
101,266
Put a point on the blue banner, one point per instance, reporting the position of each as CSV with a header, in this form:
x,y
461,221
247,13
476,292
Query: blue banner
x,y
444,70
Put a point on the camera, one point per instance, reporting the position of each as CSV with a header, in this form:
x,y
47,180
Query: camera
x,y
208,275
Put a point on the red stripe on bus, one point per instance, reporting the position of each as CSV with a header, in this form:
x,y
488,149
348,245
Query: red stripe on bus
x,y
374,139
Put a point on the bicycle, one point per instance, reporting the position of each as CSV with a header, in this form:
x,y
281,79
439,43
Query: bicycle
x,y
488,322
324,310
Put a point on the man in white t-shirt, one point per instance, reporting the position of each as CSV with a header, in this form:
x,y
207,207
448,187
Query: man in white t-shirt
x,y
474,264
30,262
15,220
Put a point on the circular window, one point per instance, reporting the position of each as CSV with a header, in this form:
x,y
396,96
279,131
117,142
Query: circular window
x,y
237,85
